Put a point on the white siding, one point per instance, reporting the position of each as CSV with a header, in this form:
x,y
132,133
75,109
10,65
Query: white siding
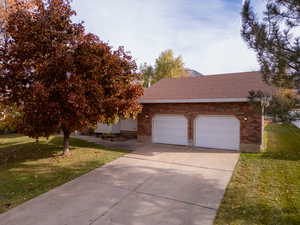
x,y
296,123
128,125
124,125
108,129
294,113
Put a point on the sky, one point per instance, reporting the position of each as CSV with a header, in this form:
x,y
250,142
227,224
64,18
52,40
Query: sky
x,y
206,33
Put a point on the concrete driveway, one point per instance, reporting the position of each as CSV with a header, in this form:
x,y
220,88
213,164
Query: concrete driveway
x,y
155,185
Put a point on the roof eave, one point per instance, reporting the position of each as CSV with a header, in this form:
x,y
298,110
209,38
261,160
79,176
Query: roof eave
x,y
207,100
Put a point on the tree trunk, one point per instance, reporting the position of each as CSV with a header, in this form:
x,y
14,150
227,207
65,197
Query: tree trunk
x,y
66,143
149,82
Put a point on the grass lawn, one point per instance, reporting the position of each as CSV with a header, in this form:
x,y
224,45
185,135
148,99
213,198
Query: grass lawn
x,y
28,169
265,187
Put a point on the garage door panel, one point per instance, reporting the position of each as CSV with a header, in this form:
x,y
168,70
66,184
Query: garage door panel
x,y
169,130
217,132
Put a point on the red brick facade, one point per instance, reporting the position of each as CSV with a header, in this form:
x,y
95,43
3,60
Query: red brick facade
x,y
250,119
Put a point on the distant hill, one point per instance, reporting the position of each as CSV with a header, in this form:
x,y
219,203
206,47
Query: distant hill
x,y
193,73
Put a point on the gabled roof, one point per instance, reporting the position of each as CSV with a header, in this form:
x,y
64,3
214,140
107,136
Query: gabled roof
x,y
233,87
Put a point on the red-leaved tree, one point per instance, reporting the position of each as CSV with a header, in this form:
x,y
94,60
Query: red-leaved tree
x,y
61,78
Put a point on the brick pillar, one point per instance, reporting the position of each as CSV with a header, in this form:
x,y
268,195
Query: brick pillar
x,y
190,118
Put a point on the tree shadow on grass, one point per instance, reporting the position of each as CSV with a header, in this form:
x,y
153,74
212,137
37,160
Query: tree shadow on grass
x,y
30,169
27,152
290,156
10,144
9,136
16,153
23,181
282,143
78,143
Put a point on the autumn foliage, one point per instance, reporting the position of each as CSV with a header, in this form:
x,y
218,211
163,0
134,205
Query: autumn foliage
x,y
61,78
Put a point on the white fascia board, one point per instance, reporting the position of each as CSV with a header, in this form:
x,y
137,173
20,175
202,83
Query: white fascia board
x,y
213,100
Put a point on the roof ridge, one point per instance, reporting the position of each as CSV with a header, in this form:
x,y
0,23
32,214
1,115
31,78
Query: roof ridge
x,y
212,75
232,74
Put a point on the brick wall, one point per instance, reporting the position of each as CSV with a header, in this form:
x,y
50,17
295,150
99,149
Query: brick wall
x,y
250,119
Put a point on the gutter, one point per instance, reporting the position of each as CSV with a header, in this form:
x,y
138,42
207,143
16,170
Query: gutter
x,y
206,100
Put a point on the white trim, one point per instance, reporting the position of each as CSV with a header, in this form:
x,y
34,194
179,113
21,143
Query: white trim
x,y
196,100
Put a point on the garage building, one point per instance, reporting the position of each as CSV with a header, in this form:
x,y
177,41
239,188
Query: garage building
x,y
210,111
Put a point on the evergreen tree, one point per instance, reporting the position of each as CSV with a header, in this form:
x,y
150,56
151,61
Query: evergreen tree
x,y
275,40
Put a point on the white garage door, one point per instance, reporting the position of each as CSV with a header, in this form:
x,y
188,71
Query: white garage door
x,y
217,132
169,129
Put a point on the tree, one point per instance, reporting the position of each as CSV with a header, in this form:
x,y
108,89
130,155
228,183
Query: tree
x,y
274,40
59,77
9,118
4,8
7,6
168,66
279,106
148,73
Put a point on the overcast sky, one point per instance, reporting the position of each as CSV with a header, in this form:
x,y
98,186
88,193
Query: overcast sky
x,y
206,33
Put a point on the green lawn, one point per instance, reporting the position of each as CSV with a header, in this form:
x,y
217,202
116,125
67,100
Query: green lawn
x,y
265,187
28,169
